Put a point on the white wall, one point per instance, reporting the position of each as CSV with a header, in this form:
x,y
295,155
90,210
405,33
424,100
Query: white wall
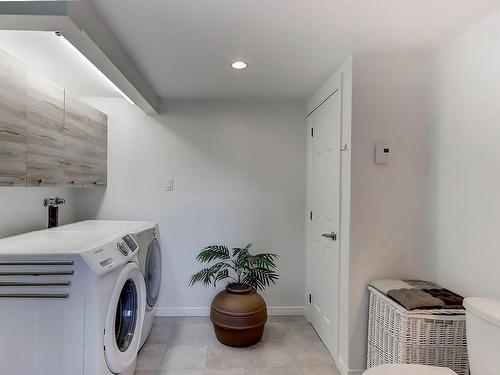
x,y
464,179
22,209
239,170
387,201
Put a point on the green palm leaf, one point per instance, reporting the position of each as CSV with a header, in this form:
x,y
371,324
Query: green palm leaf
x,y
240,265
260,278
208,275
221,275
238,250
265,260
213,252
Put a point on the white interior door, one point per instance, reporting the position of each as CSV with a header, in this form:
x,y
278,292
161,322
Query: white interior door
x,y
323,254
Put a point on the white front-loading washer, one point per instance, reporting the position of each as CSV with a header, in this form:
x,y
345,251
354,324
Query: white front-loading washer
x,y
147,236
70,303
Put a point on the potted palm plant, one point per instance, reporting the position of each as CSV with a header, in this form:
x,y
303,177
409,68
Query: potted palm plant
x,y
238,313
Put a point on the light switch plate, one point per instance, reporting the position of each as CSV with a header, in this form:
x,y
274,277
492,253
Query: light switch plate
x,y
169,184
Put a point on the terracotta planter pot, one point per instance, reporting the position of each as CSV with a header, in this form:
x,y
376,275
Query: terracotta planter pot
x,y
238,315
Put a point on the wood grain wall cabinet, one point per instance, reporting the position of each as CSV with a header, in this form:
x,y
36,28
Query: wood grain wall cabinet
x,y
85,133
45,132
13,122
48,136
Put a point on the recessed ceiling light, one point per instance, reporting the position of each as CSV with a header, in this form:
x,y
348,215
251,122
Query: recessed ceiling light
x,y
239,65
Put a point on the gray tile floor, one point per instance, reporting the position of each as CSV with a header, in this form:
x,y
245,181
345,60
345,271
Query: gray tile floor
x,y
187,346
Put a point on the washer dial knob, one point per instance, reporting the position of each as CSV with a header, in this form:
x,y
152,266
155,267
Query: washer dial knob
x,y
122,247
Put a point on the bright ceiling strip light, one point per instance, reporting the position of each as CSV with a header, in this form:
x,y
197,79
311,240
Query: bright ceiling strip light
x,y
95,68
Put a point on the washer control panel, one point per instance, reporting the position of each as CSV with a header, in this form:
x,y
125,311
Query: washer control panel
x,y
111,255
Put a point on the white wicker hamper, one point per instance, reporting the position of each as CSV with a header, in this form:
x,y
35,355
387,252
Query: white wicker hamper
x,y
396,335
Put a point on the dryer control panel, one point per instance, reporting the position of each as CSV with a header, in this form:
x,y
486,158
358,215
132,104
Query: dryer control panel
x,y
113,254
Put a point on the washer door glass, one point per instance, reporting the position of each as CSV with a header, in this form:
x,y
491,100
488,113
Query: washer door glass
x,y
153,272
126,315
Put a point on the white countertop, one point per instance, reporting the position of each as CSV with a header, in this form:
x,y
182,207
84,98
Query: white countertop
x,y
105,226
51,242
73,238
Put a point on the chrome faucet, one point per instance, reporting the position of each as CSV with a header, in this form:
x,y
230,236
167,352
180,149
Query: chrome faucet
x,y
53,206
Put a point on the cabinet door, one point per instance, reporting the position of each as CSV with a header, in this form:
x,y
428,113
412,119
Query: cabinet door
x,y
13,121
85,131
98,146
45,133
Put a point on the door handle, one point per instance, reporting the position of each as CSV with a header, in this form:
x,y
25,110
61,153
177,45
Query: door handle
x,y
332,236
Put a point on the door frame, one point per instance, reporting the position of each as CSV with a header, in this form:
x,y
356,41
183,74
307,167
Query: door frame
x,y
340,81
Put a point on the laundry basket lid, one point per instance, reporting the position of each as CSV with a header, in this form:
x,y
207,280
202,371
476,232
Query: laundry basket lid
x,y
396,369
486,308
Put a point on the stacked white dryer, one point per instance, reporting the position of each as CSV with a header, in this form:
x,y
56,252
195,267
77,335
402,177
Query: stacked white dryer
x,y
146,234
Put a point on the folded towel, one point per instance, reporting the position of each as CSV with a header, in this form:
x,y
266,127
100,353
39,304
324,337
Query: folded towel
x,y
419,294
450,299
415,299
385,285
422,284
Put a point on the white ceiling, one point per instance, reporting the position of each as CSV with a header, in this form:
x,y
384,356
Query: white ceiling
x,y
185,47
46,53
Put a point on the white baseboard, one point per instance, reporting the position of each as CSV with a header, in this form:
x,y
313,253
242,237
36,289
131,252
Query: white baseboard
x,y
205,311
182,311
344,370
297,310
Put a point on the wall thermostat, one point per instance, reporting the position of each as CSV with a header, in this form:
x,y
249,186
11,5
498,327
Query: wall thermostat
x,y
382,153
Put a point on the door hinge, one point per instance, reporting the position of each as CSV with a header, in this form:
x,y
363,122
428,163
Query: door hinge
x,y
310,298
312,132
310,215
